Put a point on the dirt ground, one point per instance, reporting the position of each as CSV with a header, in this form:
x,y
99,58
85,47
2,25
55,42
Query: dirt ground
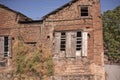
x,y
112,72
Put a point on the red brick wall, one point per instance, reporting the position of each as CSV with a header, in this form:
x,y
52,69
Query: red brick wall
x,y
69,18
9,19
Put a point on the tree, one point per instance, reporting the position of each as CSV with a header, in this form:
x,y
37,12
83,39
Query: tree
x,y
111,26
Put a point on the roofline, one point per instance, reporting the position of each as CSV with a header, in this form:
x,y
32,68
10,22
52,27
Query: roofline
x,y
29,22
44,17
5,7
58,9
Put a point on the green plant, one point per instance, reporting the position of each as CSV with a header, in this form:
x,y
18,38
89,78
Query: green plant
x,y
37,63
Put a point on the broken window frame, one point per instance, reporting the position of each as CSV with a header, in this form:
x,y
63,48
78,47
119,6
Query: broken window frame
x,y
7,50
79,43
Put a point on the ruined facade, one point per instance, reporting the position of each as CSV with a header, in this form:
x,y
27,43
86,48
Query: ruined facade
x,y
8,24
72,32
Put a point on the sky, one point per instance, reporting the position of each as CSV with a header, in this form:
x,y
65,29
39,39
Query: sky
x,y
35,9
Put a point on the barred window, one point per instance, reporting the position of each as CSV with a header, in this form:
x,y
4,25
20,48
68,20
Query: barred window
x,y
71,44
63,41
79,41
6,46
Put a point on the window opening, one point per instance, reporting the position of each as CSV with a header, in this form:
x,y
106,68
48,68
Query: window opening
x,y
84,11
63,41
79,41
6,46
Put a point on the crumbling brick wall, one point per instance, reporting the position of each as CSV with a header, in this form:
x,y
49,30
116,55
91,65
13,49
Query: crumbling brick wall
x,y
68,19
8,28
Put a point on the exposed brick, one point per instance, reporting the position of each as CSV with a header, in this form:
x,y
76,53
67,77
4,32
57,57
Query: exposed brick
x,y
66,19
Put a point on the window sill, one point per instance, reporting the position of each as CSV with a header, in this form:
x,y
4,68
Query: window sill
x,y
85,17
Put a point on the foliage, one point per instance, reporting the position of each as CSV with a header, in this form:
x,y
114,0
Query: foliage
x,y
111,23
30,62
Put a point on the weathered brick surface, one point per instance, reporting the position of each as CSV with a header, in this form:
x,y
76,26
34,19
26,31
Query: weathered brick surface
x,y
9,27
69,19
66,19
7,20
30,32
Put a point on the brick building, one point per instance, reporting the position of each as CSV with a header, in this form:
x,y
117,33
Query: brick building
x,y
72,32
8,23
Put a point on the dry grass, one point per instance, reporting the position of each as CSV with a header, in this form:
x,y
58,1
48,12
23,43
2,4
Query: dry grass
x,y
31,63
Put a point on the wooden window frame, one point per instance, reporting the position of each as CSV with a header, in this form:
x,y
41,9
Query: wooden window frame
x,y
7,53
79,11
78,39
